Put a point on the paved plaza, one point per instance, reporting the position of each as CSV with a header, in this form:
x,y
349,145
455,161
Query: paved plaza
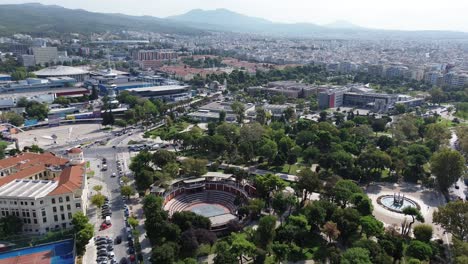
x,y
427,199
64,135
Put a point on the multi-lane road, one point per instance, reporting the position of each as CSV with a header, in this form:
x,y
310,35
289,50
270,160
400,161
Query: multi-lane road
x,y
114,150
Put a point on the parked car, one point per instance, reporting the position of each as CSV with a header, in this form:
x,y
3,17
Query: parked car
x,y
104,226
99,238
118,240
131,250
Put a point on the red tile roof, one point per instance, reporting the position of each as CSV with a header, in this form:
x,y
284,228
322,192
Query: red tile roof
x,y
28,164
32,158
75,150
23,173
70,180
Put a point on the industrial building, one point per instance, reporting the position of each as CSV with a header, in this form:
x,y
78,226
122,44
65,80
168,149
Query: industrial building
x,y
4,78
165,92
43,190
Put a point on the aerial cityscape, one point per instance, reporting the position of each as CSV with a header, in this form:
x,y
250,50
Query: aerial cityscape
x,y
233,132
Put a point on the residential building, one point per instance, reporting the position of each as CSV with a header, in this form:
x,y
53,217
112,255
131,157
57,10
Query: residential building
x,y
153,58
43,55
43,190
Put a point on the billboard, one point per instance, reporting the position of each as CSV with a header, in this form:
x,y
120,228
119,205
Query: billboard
x,y
30,122
54,120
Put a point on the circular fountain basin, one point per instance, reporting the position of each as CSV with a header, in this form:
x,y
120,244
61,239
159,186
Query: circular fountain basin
x,y
388,202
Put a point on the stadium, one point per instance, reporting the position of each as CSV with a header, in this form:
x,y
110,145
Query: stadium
x,y
214,195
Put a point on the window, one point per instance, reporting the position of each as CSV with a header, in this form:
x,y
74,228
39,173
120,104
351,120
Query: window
x,y
55,218
26,203
64,225
43,213
63,216
53,200
32,203
21,203
60,200
61,208
70,216
67,198
68,207
54,209
41,202
78,205
34,214
35,221
44,220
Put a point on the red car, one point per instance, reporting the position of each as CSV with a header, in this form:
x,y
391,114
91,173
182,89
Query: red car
x,y
104,226
132,258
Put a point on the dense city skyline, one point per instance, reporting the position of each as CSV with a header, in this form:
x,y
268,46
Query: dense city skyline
x,y
414,15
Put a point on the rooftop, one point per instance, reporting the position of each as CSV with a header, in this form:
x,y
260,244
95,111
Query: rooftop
x,y
30,164
27,188
159,88
60,71
75,150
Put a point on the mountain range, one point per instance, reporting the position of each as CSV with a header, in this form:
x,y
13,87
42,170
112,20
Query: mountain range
x,y
40,19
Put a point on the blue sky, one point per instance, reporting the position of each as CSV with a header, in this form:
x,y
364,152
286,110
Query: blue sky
x,y
388,14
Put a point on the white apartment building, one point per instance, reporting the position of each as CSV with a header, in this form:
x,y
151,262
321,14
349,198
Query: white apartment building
x,y
43,55
43,190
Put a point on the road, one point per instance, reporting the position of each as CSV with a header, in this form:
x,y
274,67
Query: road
x,y
462,190
110,188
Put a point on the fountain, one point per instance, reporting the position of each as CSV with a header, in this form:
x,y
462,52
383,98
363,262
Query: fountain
x,y
396,202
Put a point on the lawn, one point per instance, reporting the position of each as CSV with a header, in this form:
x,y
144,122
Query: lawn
x,y
165,132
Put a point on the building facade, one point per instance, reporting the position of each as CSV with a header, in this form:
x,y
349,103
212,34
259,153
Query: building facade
x,y
43,190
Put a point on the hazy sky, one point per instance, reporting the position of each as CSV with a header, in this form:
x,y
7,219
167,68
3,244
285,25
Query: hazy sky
x,y
385,14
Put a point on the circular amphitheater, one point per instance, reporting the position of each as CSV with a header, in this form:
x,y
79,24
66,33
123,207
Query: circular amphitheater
x,y
212,199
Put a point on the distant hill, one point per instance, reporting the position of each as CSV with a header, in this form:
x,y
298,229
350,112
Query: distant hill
x,y
222,19
343,24
226,20
38,18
